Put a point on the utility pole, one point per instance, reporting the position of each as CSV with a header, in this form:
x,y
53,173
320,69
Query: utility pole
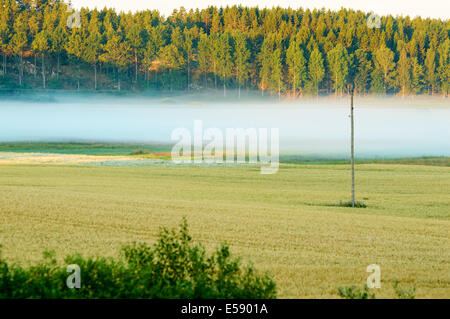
x,y
352,89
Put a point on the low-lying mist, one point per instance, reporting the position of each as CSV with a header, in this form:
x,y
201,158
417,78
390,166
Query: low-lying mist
x,y
385,127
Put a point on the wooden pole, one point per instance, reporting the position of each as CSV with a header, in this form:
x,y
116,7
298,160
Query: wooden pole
x,y
352,147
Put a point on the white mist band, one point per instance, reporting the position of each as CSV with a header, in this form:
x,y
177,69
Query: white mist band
x,y
235,150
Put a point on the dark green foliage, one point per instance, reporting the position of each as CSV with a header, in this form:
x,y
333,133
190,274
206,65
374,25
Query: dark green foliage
x,y
354,292
362,69
349,204
174,267
409,293
283,51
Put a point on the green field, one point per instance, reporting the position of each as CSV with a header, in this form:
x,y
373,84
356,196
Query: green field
x,y
162,150
82,148
284,223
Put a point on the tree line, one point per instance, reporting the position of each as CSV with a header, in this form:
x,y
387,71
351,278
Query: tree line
x,y
287,52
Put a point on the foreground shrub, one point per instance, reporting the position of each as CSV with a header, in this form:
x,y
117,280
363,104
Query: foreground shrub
x,y
354,292
174,267
409,293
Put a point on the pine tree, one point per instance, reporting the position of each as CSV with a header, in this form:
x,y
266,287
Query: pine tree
x,y
444,66
241,58
135,41
41,45
76,48
214,53
5,32
152,49
216,25
277,72
338,62
92,53
58,43
316,69
296,63
19,42
173,59
189,49
363,71
403,72
117,52
384,62
430,69
34,27
225,62
265,64
377,84
418,76
204,56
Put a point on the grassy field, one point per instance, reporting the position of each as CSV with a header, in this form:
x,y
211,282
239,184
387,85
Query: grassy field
x,y
163,151
82,148
284,223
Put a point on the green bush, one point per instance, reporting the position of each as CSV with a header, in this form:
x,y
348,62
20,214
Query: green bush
x,y
409,293
174,267
354,292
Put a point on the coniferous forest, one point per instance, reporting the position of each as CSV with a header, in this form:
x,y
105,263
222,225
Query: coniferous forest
x,y
44,44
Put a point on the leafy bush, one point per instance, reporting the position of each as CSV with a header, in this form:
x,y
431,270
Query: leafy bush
x,y
174,267
404,293
354,292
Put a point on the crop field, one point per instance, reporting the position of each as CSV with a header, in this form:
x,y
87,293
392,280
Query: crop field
x,y
286,223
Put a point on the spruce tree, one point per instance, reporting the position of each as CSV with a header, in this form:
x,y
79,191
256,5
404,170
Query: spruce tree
x,y
430,69
316,69
296,63
41,45
403,72
204,56
265,64
363,71
225,62
384,62
443,69
241,59
338,62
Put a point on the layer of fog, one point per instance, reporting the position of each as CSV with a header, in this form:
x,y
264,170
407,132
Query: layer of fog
x,y
384,127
